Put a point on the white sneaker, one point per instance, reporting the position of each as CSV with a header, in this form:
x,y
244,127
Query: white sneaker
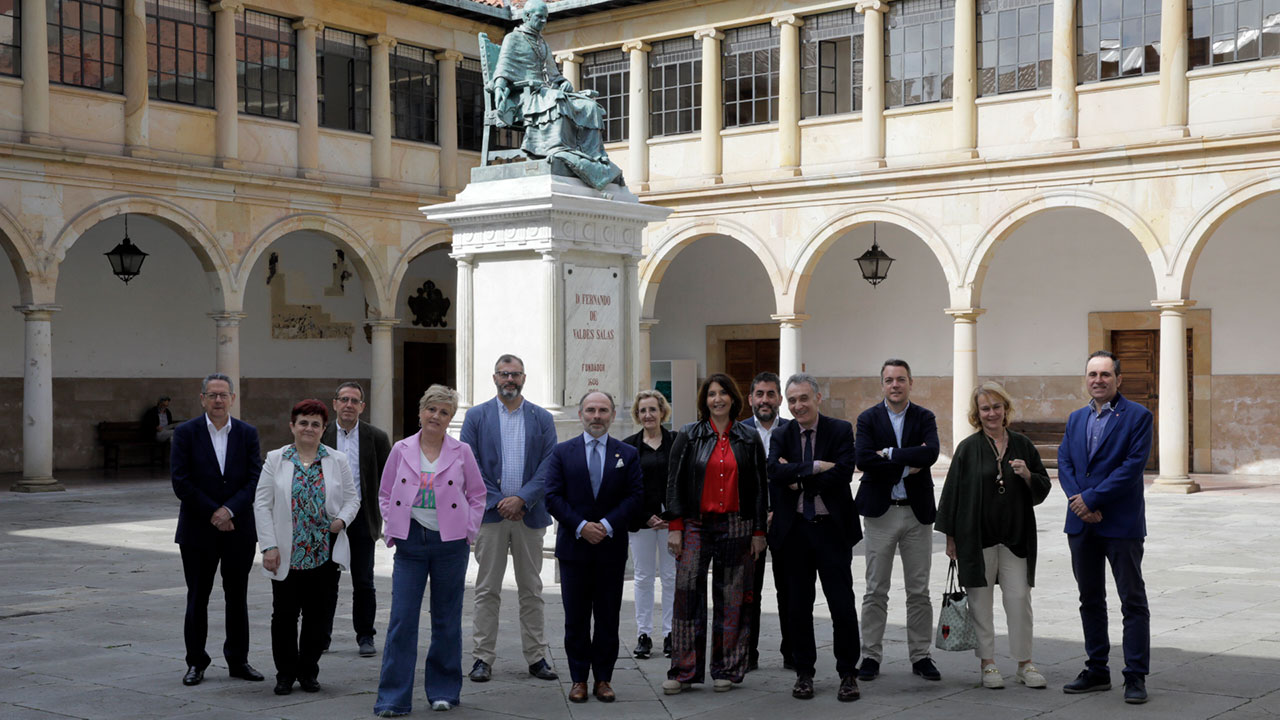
x,y
441,705
1028,675
722,685
991,677
673,687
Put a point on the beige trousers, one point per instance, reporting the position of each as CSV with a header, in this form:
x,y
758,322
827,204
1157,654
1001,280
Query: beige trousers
x,y
897,531
524,544
1010,571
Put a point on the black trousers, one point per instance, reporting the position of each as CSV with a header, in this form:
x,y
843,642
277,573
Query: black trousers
x,y
1090,554
200,563
592,590
364,599
820,549
753,610
313,594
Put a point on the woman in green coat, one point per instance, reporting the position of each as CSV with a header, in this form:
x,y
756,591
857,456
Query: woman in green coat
x,y
987,513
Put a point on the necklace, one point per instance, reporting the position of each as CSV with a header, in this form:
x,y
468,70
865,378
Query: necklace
x,y
999,462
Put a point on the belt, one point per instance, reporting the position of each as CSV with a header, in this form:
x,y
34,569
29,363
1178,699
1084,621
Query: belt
x,y
816,518
900,503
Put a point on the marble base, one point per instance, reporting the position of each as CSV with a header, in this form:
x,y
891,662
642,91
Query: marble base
x,y
1175,485
36,485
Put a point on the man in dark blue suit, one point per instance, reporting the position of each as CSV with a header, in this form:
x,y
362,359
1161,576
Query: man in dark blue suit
x,y
214,465
811,464
1100,464
594,488
764,398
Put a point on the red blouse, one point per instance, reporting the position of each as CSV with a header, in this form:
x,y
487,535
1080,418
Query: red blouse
x,y
720,484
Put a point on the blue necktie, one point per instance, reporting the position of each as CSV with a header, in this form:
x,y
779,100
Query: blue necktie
x,y
595,468
810,509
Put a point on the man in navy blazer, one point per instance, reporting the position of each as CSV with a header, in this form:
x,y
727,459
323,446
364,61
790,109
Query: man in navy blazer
x,y
510,438
1100,465
765,397
897,443
594,488
811,464
214,465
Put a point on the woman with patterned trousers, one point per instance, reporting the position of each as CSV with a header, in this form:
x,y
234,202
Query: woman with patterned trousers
x,y
306,496
716,499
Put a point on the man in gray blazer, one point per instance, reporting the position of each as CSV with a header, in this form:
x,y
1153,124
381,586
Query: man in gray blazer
x,y
510,438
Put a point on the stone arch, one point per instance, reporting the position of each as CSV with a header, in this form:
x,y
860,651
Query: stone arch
x,y
187,226
18,247
372,275
821,239
665,249
979,258
1193,241
432,239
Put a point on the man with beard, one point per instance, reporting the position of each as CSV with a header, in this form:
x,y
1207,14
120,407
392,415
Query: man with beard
x,y
764,398
510,438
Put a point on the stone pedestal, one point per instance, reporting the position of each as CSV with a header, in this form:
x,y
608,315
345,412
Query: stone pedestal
x,y
551,278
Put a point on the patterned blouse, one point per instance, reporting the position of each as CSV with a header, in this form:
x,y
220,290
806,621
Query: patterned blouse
x,y
310,522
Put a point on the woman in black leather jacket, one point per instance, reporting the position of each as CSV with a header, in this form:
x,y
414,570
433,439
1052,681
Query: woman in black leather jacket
x,y
716,501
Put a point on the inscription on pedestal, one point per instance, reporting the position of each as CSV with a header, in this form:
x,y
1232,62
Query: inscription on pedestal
x,y
592,332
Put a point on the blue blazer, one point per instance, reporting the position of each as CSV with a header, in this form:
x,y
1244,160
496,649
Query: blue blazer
x,y
570,501
834,443
480,430
203,489
1111,480
919,449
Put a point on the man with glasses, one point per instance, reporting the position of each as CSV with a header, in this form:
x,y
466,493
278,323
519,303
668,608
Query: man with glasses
x,y
215,464
367,448
510,438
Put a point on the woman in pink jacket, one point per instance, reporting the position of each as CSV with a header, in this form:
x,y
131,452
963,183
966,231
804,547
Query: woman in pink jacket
x,y
432,499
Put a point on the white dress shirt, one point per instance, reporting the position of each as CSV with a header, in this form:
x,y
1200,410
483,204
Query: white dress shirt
x,y
897,420
587,439
348,443
219,439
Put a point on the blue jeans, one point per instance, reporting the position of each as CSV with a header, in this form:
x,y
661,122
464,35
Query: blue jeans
x,y
420,556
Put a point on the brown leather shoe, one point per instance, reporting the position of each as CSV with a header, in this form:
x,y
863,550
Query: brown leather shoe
x,y
849,688
603,692
578,693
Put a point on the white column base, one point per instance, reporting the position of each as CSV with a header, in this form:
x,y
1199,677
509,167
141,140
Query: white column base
x,y
1175,485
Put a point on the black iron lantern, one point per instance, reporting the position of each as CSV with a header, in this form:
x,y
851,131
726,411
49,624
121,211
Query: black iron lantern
x,y
126,259
874,262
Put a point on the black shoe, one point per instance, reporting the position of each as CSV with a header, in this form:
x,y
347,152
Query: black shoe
x,y
542,671
194,676
666,646
803,689
481,672
367,648
926,669
1135,690
309,685
870,670
1088,681
644,646
283,687
848,689
246,672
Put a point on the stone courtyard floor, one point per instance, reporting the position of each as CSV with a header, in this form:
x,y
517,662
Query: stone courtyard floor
x,y
91,603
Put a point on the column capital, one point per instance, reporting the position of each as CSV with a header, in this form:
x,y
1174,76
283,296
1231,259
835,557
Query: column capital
x,y
788,19
308,24
38,311
227,318
1173,305
379,40
452,55
646,324
382,323
565,56
866,6
707,32
965,314
234,6
631,46
463,258
792,319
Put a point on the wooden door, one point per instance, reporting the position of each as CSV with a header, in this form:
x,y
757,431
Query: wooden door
x,y
744,359
1139,354
425,364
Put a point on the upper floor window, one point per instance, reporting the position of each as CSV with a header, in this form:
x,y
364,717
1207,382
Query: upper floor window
x,y
609,73
470,104
675,87
1227,31
266,65
413,92
1015,45
180,51
11,37
831,63
918,53
1117,38
342,74
86,44
750,71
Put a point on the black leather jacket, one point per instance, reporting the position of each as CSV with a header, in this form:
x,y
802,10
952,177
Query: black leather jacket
x,y
689,456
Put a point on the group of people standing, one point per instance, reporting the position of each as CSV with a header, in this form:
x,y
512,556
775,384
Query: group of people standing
x,y
712,498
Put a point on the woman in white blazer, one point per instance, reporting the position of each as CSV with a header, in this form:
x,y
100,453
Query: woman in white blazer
x,y
306,497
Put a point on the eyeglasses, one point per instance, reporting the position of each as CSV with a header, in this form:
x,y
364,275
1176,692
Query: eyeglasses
x,y
347,400
217,395
507,375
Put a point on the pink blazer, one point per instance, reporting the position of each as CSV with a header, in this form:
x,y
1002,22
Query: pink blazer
x,y
460,491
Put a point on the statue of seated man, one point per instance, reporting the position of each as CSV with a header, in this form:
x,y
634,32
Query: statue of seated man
x,y
558,121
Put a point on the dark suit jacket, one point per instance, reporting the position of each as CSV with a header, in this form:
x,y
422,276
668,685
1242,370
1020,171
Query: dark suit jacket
x,y
919,449
151,419
833,443
772,494
481,430
375,446
1111,480
203,489
570,501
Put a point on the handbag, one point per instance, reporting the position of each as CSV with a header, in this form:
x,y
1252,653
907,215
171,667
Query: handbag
x,y
955,627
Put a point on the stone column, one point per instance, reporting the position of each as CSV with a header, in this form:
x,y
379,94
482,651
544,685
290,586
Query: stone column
x,y
136,101
464,349
1173,66
380,108
873,81
646,352
964,96
1173,398
553,328
37,400
1064,104
790,359
788,92
382,376
35,74
711,103
638,128
447,122
308,99
964,377
571,67
227,355
225,99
